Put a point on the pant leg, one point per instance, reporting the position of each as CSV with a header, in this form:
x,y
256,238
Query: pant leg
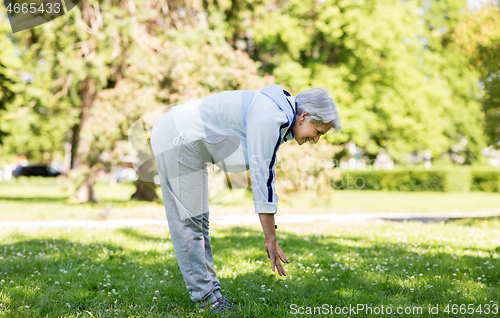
x,y
186,208
209,259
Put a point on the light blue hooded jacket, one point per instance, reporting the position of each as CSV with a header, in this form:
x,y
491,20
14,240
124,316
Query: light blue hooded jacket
x,y
252,125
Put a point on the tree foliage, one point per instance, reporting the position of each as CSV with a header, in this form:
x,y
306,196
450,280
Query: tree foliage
x,y
397,69
479,38
135,58
389,65
12,84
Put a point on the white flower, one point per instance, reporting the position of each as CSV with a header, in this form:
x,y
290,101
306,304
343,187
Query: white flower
x,y
57,283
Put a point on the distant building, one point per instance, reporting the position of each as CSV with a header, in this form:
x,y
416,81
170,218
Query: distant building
x,y
383,160
493,156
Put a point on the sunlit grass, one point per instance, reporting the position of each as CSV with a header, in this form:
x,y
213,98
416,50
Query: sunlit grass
x,y
377,263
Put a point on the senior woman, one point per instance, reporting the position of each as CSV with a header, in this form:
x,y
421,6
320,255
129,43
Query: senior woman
x,y
238,131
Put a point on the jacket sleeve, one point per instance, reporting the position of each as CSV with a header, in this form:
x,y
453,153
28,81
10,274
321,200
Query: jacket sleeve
x,y
263,141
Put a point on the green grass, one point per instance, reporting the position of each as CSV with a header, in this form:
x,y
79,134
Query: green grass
x,y
26,202
362,201
23,202
133,272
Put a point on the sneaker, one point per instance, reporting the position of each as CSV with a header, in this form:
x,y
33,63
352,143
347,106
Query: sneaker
x,y
225,302
220,306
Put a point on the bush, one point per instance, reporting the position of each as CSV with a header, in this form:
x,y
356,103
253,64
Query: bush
x,y
302,169
447,179
457,179
485,179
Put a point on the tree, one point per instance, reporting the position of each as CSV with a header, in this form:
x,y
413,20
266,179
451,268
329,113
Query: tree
x,y
479,38
13,81
186,67
84,52
444,60
384,67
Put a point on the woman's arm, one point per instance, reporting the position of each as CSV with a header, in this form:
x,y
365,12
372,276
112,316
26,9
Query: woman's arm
x,y
267,222
273,250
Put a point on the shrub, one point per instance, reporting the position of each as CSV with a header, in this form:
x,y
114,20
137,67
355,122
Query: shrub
x,y
457,179
485,179
302,169
448,179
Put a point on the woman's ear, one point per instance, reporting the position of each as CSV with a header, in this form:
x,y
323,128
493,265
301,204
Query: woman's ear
x,y
303,116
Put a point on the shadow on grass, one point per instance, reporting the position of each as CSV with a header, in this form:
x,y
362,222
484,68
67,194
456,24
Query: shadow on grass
x,y
35,199
67,202
484,222
423,220
477,221
137,235
381,276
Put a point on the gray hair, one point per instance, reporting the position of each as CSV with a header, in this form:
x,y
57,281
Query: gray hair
x,y
321,107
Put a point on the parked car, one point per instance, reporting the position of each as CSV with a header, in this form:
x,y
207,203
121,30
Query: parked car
x,y
35,170
128,174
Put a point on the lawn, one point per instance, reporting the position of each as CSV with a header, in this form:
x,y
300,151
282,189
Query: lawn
x,y
132,272
23,202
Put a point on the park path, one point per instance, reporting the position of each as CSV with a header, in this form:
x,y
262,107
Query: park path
x,y
247,219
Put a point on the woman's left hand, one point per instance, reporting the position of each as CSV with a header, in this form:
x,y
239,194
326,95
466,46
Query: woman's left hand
x,y
275,254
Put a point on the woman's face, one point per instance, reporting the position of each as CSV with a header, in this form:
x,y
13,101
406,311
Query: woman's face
x,y
304,130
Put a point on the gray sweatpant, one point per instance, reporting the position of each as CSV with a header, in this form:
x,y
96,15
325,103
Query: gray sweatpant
x,y
184,185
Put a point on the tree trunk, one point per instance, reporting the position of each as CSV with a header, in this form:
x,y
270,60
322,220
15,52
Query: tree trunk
x,y
88,94
146,191
75,131
85,193
145,188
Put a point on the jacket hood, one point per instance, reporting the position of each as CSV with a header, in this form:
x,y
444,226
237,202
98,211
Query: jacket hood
x,y
279,96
